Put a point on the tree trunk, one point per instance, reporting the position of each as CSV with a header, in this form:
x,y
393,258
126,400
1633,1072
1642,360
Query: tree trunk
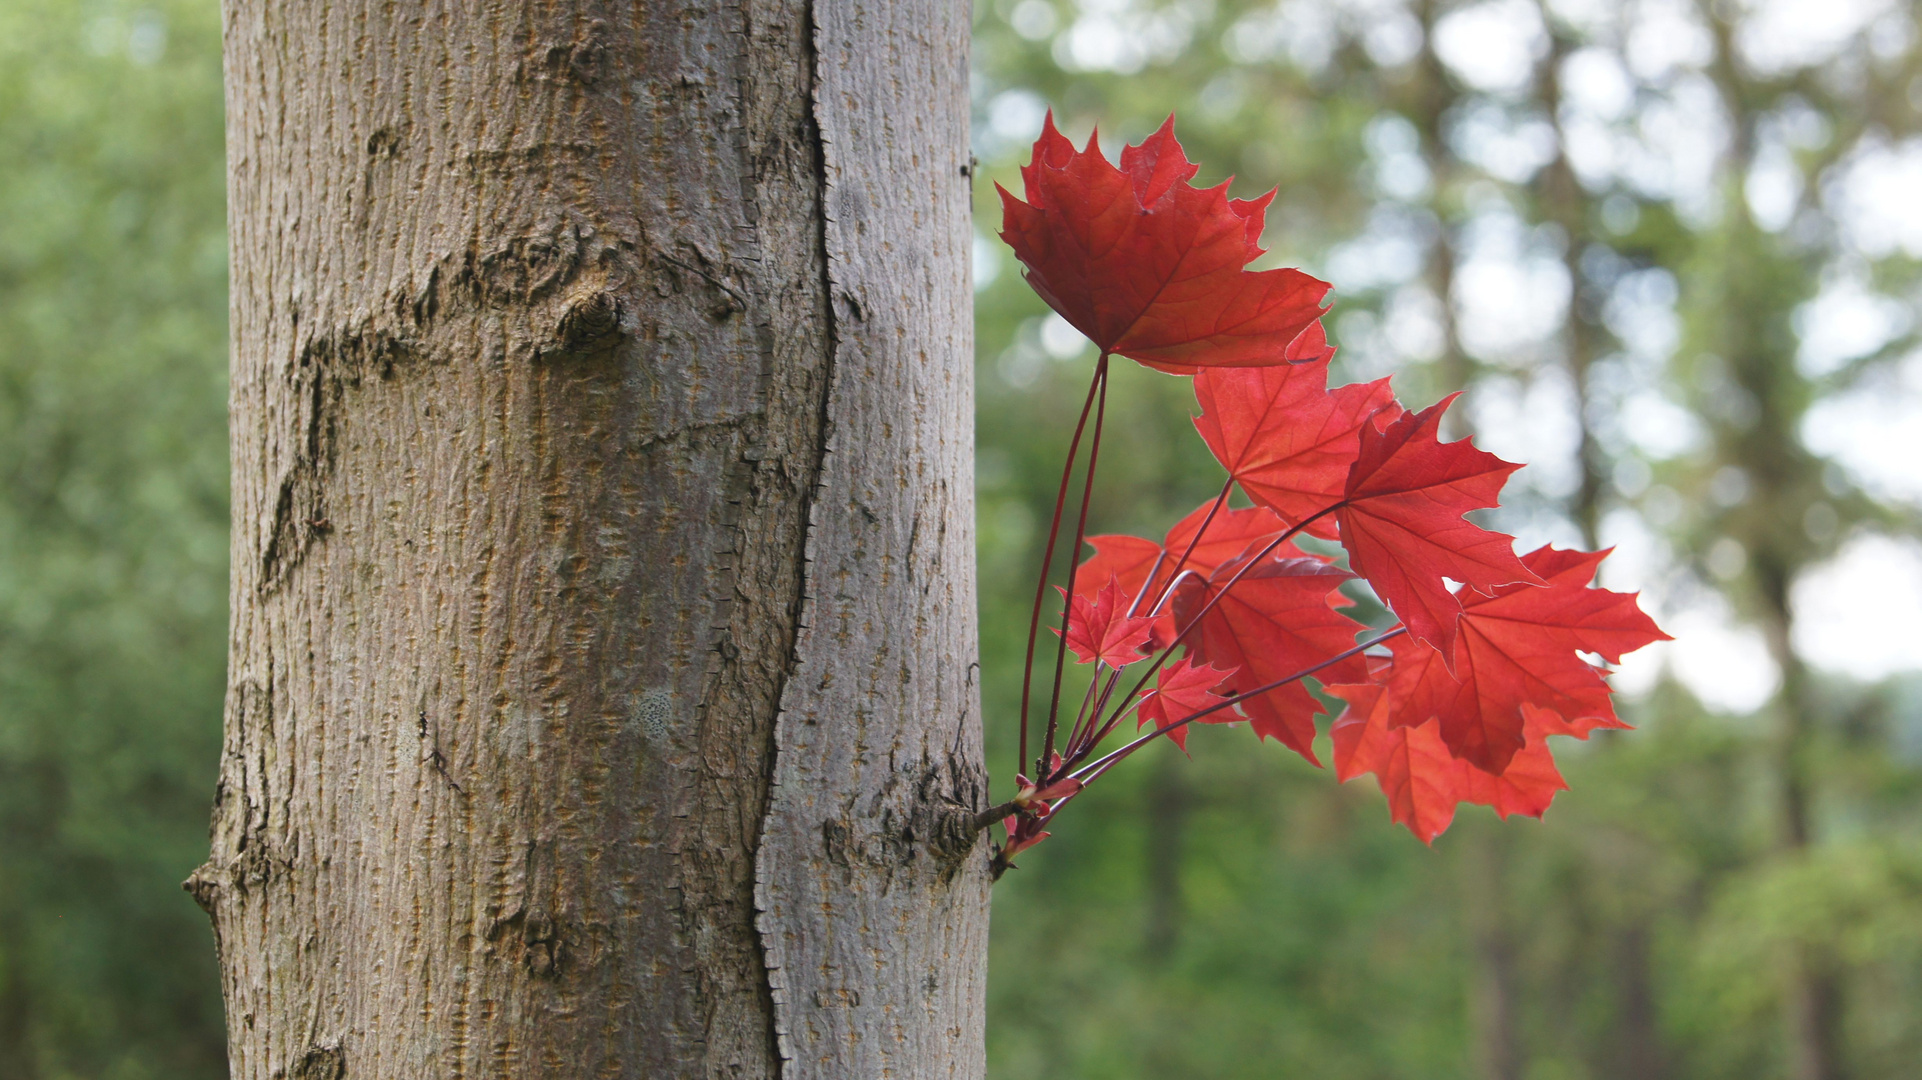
x,y
1169,801
1494,991
1635,1046
602,694
1813,1002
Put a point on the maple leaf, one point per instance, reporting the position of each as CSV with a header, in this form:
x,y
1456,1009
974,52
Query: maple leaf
x,y
1149,266
1422,780
1281,616
1401,520
1284,437
1101,628
1518,649
1183,689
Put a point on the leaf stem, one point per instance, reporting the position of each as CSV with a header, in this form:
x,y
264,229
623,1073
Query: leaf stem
x,y
1047,559
1082,715
1195,540
1074,555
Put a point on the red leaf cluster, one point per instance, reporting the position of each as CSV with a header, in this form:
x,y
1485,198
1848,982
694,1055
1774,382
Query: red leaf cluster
x,y
1435,737
1491,654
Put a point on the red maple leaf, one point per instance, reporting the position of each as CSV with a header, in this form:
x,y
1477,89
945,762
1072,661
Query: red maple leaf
x,y
1149,266
1183,689
1284,437
1102,629
1401,520
1518,649
1422,781
1280,616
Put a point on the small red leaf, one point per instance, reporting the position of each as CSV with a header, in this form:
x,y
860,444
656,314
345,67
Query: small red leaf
x,y
1101,628
1021,836
1060,789
1184,688
1149,266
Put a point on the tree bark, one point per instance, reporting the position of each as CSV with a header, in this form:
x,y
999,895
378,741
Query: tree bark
x,y
601,686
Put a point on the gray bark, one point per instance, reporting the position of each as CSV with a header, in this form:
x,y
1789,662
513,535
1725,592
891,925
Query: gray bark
x,y
601,683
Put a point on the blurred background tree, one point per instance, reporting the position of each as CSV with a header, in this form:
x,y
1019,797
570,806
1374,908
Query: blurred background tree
x,y
1671,249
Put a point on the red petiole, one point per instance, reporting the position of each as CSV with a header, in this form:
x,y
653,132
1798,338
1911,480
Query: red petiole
x,y
1074,564
1047,559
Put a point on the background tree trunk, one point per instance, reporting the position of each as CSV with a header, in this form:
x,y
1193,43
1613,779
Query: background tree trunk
x,y
601,690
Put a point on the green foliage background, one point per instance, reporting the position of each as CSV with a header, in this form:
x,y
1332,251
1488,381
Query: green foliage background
x,y
1234,914
113,533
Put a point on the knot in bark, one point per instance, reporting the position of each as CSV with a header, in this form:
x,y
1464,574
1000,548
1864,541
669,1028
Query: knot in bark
x,y
591,322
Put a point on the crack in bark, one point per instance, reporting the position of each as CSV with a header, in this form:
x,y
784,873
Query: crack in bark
x,y
321,1063
327,364
815,144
